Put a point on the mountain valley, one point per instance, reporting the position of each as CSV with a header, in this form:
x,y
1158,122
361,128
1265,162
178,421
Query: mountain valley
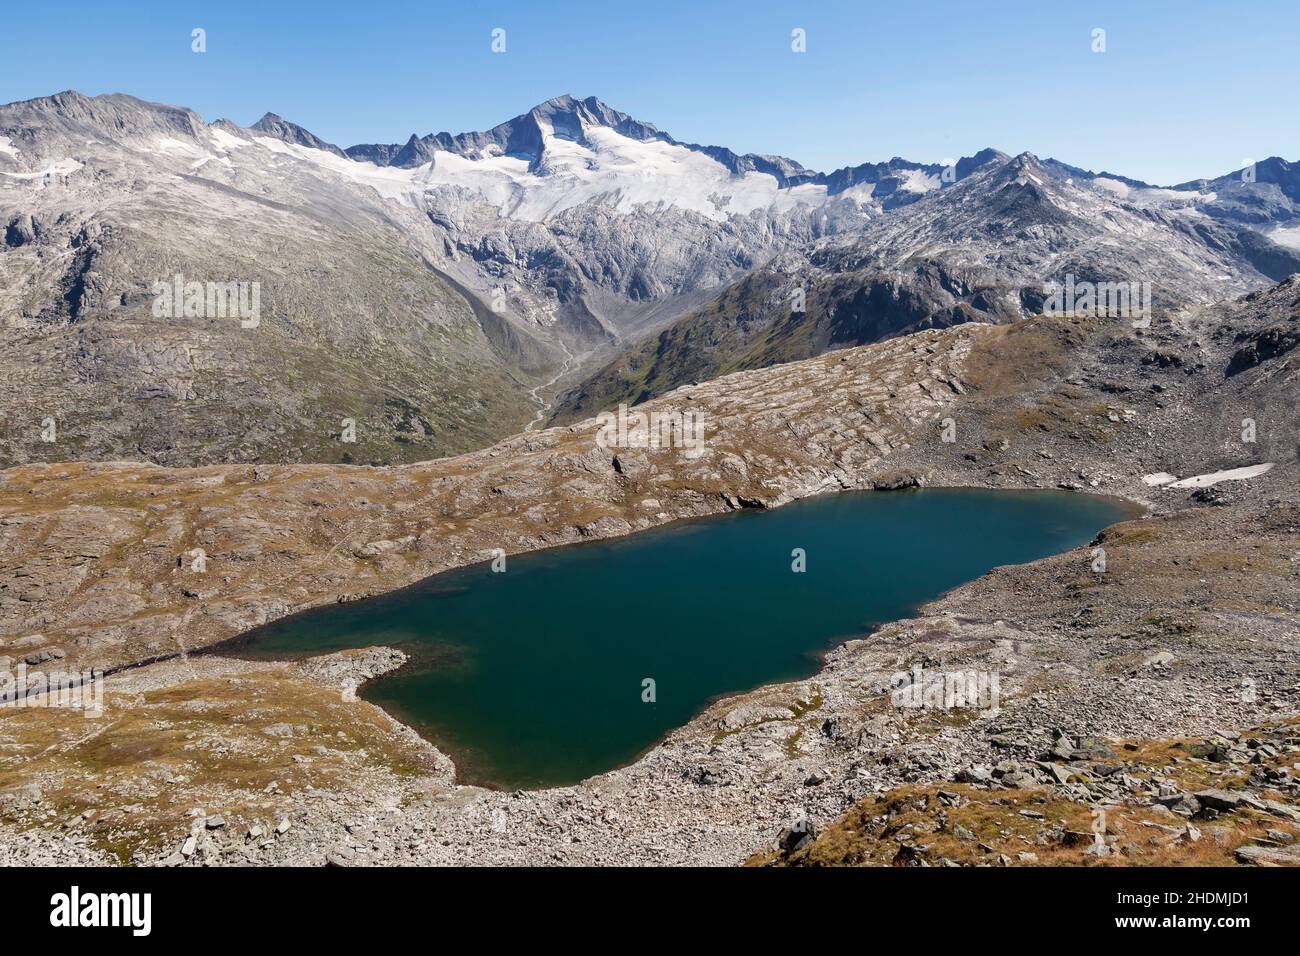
x,y
422,381
430,298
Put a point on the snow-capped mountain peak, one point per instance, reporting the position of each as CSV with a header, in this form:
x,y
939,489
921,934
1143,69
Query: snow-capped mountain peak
x,y
525,136
584,228
272,125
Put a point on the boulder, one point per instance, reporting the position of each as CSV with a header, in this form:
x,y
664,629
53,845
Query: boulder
x,y
1268,855
1222,800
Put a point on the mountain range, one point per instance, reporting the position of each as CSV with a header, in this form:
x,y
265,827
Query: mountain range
x,y
427,298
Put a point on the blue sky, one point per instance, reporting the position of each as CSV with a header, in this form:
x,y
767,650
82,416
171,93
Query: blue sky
x,y
1183,90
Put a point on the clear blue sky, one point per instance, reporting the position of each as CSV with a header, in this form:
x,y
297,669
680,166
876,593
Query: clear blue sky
x,y
1184,89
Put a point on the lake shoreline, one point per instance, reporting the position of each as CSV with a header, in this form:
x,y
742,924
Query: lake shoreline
x,y
240,646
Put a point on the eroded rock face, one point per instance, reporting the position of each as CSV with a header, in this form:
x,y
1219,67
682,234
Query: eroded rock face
x,y
20,231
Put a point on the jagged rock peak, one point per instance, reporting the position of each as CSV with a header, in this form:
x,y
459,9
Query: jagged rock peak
x,y
280,128
1023,169
525,135
592,112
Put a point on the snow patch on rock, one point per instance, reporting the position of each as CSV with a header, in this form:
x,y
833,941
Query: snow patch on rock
x,y
1230,474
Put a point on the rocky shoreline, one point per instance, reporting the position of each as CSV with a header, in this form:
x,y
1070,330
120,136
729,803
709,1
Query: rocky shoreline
x,y
1198,602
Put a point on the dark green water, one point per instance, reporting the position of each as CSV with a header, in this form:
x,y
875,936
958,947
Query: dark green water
x,y
533,676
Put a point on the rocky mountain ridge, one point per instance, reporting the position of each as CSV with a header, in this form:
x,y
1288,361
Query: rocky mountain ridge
x,y
441,305
990,248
